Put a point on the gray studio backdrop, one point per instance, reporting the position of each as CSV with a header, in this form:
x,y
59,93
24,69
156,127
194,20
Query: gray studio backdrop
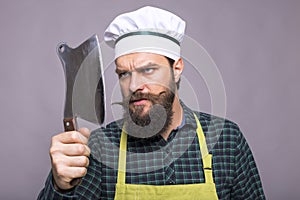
x,y
254,43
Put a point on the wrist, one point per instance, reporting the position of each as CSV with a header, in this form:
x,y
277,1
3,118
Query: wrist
x,y
58,189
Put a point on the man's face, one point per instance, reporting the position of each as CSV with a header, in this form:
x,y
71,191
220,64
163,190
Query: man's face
x,y
146,80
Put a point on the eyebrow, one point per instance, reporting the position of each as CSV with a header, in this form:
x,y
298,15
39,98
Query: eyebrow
x,y
150,64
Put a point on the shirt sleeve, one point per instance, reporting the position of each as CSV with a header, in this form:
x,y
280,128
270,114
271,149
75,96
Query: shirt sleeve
x,y
49,192
247,183
89,188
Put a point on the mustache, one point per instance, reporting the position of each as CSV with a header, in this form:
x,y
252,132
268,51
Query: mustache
x,y
136,96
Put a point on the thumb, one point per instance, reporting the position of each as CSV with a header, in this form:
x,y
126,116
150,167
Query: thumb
x,y
85,132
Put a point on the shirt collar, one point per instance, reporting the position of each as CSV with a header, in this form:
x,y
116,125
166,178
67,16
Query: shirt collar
x,y
188,118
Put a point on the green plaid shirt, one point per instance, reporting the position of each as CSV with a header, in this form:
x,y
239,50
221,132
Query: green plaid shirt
x,y
175,161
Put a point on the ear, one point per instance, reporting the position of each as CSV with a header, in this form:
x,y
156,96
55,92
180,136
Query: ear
x,y
178,68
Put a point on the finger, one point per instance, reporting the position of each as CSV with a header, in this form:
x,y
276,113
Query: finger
x,y
75,150
76,172
78,161
70,137
66,174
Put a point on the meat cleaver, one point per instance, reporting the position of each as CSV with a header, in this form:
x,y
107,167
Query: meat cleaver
x,y
85,95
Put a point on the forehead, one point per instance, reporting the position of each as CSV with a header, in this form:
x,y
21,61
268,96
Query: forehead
x,y
139,59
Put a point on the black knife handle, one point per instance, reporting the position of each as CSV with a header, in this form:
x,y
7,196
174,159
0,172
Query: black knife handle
x,y
71,125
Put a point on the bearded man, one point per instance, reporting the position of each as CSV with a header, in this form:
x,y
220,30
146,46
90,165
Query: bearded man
x,y
160,149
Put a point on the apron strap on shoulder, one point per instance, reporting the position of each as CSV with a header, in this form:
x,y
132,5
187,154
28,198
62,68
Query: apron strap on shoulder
x,y
206,157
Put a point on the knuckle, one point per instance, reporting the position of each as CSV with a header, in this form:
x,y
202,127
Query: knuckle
x,y
53,150
58,163
53,139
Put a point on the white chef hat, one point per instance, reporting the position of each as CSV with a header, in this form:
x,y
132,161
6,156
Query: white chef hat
x,y
147,29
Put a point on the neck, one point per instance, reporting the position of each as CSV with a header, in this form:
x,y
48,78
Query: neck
x,y
177,118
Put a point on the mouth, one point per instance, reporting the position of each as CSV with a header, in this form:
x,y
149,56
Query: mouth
x,y
139,102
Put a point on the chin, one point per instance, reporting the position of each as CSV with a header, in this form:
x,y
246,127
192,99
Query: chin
x,y
141,109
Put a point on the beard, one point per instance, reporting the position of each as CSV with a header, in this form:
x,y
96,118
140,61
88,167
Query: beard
x,y
155,121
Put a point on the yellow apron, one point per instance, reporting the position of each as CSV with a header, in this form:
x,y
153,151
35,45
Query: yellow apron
x,y
203,191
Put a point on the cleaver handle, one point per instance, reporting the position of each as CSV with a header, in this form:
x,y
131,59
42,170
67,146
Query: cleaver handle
x,y
70,124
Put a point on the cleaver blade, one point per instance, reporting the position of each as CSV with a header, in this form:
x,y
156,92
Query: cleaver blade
x,y
85,95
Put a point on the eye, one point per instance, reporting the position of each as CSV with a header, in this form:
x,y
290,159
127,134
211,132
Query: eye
x,y
148,70
123,75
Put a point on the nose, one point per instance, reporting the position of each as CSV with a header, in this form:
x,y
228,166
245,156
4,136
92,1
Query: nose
x,y
136,82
